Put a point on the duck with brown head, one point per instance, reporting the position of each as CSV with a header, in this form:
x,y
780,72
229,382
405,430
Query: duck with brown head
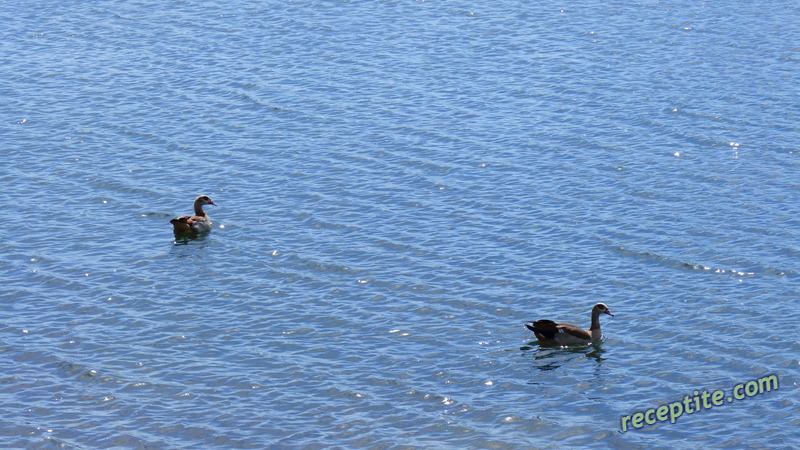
x,y
199,222
549,332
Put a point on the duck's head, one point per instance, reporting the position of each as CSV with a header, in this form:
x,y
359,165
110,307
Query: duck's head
x,y
601,308
204,200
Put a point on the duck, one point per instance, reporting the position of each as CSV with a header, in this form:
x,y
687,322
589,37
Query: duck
x,y
199,222
549,332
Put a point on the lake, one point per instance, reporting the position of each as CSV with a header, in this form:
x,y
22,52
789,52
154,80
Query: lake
x,y
401,185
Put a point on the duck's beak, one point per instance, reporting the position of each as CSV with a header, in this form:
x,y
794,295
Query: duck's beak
x,y
608,311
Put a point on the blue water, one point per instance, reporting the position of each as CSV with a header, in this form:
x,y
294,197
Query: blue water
x,y
401,185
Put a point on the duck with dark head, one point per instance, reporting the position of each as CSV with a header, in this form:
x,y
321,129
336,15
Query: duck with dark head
x,y
554,333
198,223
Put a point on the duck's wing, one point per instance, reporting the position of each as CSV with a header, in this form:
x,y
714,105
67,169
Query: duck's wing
x,y
572,332
545,330
182,224
562,333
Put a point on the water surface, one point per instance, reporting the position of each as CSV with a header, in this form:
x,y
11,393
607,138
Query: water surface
x,y
401,185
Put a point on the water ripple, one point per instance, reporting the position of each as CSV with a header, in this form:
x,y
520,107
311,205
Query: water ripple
x,y
400,186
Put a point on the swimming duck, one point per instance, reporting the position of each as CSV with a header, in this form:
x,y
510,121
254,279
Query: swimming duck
x,y
199,222
550,332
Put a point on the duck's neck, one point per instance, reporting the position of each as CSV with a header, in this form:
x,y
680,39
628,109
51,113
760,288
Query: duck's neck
x,y
595,328
198,209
